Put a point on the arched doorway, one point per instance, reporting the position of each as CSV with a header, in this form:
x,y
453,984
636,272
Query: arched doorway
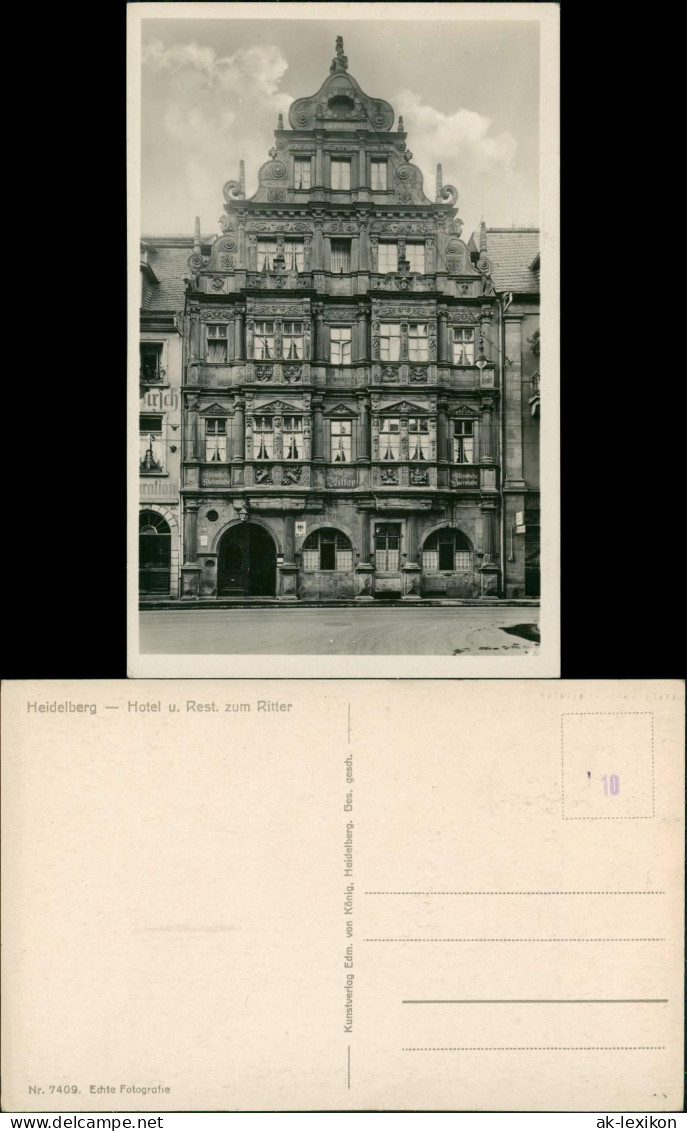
x,y
247,565
448,564
154,553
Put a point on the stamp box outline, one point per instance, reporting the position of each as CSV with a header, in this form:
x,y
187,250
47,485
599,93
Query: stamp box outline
x,y
621,714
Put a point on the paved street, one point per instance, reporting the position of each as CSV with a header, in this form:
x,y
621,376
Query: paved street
x,y
347,631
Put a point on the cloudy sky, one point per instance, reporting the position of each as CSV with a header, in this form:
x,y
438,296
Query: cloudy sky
x,y
212,89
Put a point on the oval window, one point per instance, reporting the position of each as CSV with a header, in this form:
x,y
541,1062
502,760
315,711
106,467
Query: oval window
x,y
341,104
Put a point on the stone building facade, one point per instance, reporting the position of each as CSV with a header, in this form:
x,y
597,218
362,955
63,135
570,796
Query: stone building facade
x,y
342,390
514,254
163,265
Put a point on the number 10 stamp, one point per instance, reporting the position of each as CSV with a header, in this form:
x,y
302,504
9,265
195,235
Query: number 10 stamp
x,y
607,763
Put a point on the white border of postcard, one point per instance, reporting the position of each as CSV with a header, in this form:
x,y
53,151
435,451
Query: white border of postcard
x,y
546,660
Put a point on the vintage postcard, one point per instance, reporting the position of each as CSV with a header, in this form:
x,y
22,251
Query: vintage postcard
x,y
343,312
281,895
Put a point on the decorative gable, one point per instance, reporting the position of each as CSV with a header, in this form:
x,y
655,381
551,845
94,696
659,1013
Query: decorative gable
x,y
464,410
340,99
340,410
214,410
403,407
278,407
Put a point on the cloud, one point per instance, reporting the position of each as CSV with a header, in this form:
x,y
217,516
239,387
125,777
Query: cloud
x,y
473,158
204,112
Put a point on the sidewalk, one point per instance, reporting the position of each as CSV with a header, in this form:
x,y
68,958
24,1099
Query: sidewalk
x,y
157,603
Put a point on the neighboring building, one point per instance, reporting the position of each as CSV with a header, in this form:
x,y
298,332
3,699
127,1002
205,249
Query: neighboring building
x,y
514,253
342,391
163,266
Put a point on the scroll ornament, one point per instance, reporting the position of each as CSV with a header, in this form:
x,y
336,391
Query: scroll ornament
x,y
449,194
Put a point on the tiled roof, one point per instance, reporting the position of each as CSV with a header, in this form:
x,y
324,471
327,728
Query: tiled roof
x,y
169,265
512,251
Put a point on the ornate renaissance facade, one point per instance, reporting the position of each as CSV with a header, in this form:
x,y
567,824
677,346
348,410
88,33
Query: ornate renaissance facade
x,y
342,391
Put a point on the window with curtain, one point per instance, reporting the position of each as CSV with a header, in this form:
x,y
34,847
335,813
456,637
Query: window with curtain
x,y
217,341
447,550
415,254
340,172
389,438
302,172
387,545
389,341
327,549
463,441
378,174
151,361
216,440
263,340
418,346
263,437
292,437
341,255
340,345
463,346
293,254
340,432
267,249
292,339
418,437
151,443
387,257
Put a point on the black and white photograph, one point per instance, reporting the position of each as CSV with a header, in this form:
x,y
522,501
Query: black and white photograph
x,y
343,233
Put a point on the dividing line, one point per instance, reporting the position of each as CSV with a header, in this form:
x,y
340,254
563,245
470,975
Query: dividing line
x,y
515,893
536,1001
548,940
531,1048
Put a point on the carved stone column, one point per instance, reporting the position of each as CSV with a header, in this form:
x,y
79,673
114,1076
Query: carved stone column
x,y
364,570
362,164
192,445
252,253
289,539
411,538
363,255
364,429
194,336
442,344
317,429
190,530
443,441
288,569
362,333
239,341
241,241
278,424
487,445
239,430
318,257
190,570
318,311
441,250
489,569
411,570
319,162
430,265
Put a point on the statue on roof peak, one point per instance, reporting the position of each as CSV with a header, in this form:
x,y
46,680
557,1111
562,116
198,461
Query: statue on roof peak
x,y
340,62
